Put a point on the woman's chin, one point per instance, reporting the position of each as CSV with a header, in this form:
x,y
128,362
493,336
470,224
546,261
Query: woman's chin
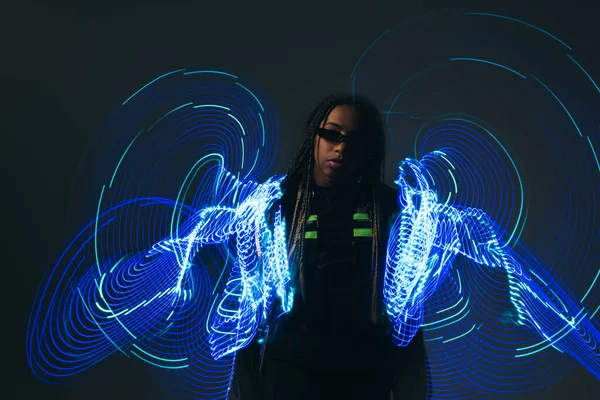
x,y
333,172
333,175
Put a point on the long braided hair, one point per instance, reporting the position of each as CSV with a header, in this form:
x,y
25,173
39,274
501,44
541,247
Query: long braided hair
x,y
300,183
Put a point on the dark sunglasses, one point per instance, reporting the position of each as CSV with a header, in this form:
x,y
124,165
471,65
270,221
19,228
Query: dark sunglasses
x,y
336,137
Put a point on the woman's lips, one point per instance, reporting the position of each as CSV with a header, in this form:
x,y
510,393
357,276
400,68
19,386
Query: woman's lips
x,y
334,164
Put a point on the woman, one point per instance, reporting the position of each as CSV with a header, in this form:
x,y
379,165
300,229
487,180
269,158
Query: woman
x,y
335,342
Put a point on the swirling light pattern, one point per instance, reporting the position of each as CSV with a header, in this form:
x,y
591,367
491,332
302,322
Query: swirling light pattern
x,y
260,272
513,111
136,280
424,241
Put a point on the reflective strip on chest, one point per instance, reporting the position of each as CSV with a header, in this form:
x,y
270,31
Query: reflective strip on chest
x,y
360,223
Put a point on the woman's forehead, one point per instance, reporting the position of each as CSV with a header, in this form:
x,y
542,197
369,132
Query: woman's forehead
x,y
343,116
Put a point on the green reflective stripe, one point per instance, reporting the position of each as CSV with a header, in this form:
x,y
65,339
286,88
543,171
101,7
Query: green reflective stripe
x,y
363,232
361,216
312,217
310,235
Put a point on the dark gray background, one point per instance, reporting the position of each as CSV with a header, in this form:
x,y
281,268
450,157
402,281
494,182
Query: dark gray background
x,y
66,66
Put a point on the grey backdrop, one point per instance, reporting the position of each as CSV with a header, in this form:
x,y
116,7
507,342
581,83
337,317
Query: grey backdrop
x,y
66,66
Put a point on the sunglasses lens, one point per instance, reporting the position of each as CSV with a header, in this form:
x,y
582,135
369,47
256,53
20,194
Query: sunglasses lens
x,y
330,136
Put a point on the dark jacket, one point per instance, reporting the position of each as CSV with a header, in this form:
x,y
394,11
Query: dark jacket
x,y
408,365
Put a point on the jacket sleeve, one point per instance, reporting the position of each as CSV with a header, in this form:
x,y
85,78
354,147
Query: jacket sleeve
x,y
245,384
411,376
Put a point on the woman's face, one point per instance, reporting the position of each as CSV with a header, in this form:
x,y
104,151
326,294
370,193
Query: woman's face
x,y
336,162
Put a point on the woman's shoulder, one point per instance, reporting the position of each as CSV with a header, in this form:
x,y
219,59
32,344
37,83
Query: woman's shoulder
x,y
389,194
388,191
389,201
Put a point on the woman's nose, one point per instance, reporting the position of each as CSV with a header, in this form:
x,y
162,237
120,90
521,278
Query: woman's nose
x,y
340,147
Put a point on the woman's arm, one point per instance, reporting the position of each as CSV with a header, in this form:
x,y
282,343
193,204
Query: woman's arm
x,y
245,384
411,376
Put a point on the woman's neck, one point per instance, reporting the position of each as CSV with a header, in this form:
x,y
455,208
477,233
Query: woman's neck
x,y
337,186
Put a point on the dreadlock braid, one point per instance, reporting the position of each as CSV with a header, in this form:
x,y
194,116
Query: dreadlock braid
x,y
376,220
300,183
